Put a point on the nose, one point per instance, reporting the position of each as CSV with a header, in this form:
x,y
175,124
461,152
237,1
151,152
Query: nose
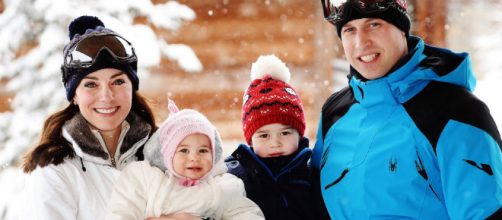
x,y
362,39
275,141
193,157
106,93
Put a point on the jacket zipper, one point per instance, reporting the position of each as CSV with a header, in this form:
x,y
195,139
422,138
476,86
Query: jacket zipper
x,y
113,162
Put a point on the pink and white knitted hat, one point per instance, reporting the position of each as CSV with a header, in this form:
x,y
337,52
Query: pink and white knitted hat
x,y
179,125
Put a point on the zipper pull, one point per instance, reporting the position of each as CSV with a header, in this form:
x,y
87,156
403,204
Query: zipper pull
x,y
113,162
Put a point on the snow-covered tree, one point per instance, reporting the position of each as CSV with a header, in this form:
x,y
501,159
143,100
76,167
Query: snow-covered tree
x,y
32,38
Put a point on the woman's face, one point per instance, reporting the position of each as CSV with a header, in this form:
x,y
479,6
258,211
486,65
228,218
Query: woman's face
x,y
104,98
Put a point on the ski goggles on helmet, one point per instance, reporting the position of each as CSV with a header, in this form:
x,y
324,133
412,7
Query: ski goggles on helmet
x,y
336,10
85,52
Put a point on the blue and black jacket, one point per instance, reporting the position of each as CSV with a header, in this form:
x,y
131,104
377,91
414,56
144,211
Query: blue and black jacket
x,y
415,144
290,192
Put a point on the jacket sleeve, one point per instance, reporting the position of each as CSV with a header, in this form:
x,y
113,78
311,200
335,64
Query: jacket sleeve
x,y
470,164
49,195
315,160
238,206
129,195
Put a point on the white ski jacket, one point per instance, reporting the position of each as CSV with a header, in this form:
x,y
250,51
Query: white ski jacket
x,y
80,187
149,189
145,191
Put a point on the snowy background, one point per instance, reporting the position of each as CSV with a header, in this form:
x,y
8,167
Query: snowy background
x,y
35,76
34,72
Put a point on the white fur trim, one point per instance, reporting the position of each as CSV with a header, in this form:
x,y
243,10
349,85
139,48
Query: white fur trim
x,y
272,66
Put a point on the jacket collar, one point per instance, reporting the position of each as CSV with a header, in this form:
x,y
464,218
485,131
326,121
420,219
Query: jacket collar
x,y
89,145
409,76
249,159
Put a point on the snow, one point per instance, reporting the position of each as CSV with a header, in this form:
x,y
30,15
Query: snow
x,y
180,53
165,12
38,28
11,182
481,38
35,75
489,91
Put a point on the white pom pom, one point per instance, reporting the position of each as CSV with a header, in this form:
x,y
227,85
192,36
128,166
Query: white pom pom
x,y
272,66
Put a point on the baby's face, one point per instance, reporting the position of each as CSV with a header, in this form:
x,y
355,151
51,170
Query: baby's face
x,y
275,140
193,157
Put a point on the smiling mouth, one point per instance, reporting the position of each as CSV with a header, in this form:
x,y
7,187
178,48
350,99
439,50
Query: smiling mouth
x,y
194,169
106,110
369,58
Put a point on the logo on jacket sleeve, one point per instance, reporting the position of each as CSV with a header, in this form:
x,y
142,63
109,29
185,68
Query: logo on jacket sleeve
x,y
393,164
484,167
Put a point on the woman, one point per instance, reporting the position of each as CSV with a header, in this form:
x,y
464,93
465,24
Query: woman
x,y
84,146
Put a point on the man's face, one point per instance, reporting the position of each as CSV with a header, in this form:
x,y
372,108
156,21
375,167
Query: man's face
x,y
373,46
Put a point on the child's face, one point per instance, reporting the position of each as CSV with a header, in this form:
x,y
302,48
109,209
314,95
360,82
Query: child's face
x,y
275,140
193,157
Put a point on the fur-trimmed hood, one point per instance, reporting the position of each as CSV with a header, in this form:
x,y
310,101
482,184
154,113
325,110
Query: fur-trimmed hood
x,y
89,145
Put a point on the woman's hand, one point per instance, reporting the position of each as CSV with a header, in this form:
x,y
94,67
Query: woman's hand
x,y
179,216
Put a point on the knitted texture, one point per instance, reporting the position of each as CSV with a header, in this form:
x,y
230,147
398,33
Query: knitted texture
x,y
395,14
270,99
79,29
177,127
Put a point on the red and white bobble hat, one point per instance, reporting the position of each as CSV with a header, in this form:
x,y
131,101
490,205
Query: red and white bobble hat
x,y
270,99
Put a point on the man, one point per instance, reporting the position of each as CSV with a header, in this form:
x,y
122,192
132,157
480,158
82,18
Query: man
x,y
407,138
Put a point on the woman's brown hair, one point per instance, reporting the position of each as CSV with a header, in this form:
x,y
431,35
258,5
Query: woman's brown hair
x,y
53,148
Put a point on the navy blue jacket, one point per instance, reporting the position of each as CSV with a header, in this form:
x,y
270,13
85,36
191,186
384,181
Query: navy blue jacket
x,y
415,144
292,193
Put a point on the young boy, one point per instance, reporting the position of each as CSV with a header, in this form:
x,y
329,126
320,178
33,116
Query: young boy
x,y
184,173
274,168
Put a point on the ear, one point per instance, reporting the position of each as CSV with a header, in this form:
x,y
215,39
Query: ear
x,y
75,100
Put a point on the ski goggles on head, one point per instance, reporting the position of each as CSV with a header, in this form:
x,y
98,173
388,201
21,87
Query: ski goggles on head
x,y
86,51
335,10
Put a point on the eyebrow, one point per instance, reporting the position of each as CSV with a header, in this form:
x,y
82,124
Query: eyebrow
x,y
188,146
283,128
367,20
113,76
